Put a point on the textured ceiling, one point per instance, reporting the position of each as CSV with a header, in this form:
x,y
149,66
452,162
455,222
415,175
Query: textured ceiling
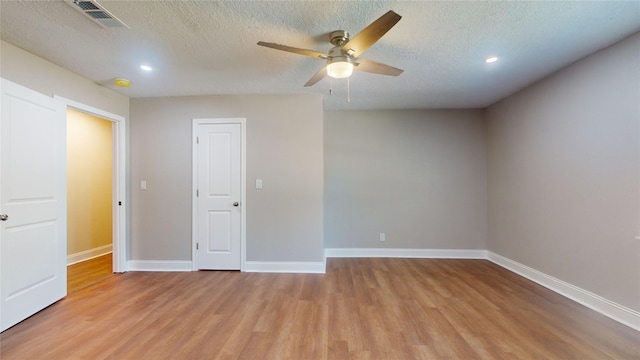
x,y
209,47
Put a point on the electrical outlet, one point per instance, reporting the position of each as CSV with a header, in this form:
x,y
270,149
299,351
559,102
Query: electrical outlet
x,y
383,237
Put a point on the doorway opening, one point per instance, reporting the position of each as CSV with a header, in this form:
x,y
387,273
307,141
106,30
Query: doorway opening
x,y
89,199
118,246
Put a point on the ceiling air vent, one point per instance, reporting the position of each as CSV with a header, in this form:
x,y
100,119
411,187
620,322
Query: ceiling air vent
x,y
97,13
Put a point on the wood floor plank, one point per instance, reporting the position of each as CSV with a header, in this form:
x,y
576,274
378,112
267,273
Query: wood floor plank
x,y
88,272
360,309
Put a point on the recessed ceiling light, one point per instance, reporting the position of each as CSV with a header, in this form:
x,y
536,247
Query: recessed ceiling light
x,y
146,67
491,59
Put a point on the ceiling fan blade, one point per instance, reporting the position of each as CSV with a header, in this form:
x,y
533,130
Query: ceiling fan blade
x,y
369,35
376,67
294,50
317,76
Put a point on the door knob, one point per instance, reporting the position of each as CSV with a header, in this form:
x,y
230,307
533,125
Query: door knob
x,y
4,217
235,203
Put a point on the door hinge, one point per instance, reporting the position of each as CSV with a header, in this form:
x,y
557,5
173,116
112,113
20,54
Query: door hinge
x,y
197,246
197,193
197,140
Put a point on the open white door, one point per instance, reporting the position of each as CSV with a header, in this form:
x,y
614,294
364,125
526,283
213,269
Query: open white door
x,y
219,185
33,244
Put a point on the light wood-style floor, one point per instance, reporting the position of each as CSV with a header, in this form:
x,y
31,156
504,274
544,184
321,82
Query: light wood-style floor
x,y
86,273
360,309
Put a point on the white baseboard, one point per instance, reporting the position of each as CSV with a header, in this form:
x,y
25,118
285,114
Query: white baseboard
x,y
617,312
285,267
408,253
88,254
160,265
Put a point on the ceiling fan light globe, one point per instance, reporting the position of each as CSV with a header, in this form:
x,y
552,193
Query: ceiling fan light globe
x,y
340,69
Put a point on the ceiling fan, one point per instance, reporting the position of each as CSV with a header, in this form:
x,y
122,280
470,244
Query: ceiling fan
x,y
343,58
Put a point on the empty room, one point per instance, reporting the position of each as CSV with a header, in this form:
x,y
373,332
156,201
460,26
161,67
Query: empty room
x,y
320,180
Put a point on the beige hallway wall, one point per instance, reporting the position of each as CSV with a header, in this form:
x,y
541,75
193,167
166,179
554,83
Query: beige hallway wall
x,y
89,182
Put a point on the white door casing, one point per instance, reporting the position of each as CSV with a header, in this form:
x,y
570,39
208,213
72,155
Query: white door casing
x,y
219,202
33,239
119,190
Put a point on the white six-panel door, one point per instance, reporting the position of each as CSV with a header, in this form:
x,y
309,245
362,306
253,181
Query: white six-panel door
x,y
219,195
33,242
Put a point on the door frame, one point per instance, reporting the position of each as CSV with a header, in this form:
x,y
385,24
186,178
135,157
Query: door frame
x,y
194,186
119,191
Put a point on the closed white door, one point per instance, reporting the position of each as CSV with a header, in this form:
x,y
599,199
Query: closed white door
x,y
219,195
32,202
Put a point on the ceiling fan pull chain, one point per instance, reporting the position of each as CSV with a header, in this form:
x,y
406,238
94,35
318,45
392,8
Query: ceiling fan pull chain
x,y
330,86
348,89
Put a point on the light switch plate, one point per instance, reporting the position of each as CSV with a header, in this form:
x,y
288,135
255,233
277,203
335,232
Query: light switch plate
x,y
143,184
258,183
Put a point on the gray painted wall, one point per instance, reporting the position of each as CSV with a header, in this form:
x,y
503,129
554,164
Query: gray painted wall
x,y
284,149
47,78
564,174
419,176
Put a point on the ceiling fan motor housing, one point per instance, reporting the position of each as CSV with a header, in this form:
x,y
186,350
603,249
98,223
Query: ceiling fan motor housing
x,y
339,37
